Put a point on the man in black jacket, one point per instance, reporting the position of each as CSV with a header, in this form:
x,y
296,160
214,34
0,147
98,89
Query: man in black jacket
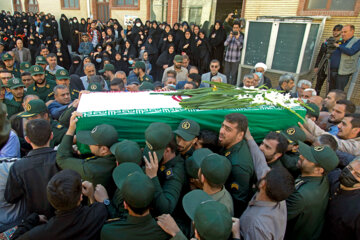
x,y
29,176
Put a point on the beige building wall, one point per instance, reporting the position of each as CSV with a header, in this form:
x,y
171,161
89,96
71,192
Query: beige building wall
x,y
255,8
120,14
54,7
6,5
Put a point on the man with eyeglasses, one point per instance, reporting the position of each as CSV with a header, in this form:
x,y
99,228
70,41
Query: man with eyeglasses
x,y
214,71
5,76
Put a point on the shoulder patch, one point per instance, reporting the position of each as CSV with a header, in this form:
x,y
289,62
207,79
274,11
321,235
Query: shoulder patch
x,y
299,183
89,158
50,94
74,90
169,173
227,154
162,168
235,185
59,126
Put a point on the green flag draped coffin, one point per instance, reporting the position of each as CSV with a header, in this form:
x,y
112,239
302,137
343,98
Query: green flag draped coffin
x,y
131,113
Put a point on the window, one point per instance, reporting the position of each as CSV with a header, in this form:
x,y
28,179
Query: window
x,y
32,6
195,15
70,4
346,8
17,5
126,3
334,5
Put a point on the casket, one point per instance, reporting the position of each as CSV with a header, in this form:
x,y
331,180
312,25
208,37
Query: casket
x,y
132,112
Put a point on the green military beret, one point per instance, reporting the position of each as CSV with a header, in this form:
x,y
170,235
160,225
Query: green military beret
x,y
36,69
146,86
107,67
127,151
40,60
216,168
294,134
62,74
34,107
314,111
192,164
321,155
6,56
104,135
15,83
25,66
188,129
157,137
212,219
94,87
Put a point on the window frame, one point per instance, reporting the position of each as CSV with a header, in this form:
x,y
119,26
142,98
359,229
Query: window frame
x,y
303,11
124,7
69,8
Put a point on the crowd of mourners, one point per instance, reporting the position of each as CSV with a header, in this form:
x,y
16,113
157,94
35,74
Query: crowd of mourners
x,y
301,182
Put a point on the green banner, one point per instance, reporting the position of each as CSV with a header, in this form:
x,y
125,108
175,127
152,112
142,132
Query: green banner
x,y
131,124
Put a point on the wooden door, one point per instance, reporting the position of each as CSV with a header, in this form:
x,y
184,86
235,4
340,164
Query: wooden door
x,y
103,11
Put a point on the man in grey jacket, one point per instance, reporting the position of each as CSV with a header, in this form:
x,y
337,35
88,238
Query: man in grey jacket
x,y
214,71
21,54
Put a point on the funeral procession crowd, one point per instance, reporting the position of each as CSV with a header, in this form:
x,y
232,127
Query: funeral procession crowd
x,y
301,182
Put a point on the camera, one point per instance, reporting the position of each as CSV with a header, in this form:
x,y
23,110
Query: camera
x,y
330,44
235,33
235,14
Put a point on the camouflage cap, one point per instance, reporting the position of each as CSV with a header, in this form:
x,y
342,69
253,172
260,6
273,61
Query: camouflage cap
x,y
34,107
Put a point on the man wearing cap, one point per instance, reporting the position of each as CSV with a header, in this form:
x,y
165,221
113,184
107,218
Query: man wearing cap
x,y
36,109
213,173
186,136
138,191
108,71
192,166
164,167
63,78
24,67
306,206
139,70
41,61
29,176
9,65
181,72
17,90
211,219
289,160
133,85
235,148
96,169
41,87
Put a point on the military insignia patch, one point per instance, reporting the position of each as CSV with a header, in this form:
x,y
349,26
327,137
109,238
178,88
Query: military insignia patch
x,y
235,185
36,69
94,129
162,168
28,107
149,145
290,131
93,87
59,126
227,154
169,173
63,73
27,66
185,125
319,148
16,81
47,86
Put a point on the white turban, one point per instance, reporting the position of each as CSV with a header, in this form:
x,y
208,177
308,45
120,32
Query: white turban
x,y
262,65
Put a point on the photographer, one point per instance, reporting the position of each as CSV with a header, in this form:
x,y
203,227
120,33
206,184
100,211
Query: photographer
x,y
234,44
320,69
343,61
